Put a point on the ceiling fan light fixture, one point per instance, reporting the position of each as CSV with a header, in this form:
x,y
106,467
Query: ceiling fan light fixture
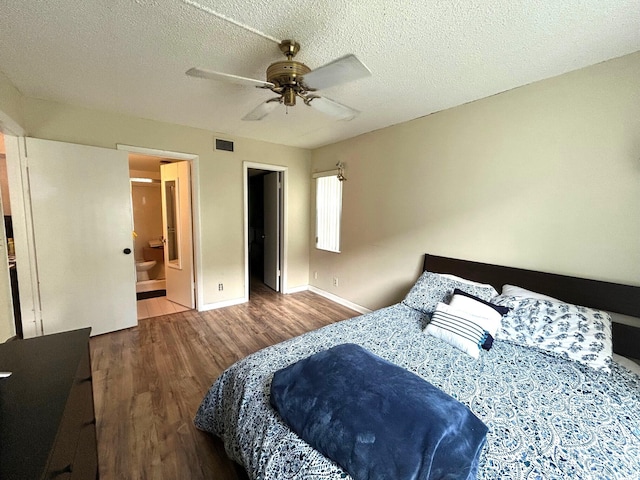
x,y
289,97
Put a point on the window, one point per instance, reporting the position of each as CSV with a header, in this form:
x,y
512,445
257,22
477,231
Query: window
x,y
328,211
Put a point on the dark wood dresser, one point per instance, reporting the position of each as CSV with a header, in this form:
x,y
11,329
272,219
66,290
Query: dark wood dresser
x,y
47,419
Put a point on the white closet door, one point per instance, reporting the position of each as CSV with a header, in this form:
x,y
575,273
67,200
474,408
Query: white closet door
x,y
271,204
82,224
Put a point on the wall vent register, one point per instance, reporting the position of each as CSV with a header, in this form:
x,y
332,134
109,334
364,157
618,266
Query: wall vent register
x,y
225,145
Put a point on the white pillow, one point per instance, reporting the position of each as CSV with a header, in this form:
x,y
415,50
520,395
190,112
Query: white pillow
x,y
461,329
513,291
627,363
570,331
474,307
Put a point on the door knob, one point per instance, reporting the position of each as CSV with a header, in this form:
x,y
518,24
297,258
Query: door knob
x,y
126,251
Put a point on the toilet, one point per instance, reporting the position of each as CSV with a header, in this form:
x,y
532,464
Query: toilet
x,y
142,270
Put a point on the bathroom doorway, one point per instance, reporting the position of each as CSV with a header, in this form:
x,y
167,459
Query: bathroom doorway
x,y
163,248
8,240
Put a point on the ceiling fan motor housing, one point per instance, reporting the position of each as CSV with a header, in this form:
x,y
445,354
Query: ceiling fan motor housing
x,y
286,74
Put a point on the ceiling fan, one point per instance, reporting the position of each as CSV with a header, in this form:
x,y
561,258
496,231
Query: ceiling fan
x,y
290,79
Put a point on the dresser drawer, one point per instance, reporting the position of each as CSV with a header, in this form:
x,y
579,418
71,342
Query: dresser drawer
x,y
77,429
85,462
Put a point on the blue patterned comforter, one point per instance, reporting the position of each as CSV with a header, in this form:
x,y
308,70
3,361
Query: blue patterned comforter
x,y
548,418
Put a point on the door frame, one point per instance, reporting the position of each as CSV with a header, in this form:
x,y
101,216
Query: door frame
x,y
268,198
20,196
195,208
283,228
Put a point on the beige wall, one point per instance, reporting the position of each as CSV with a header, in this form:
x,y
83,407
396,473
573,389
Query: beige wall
x,y
545,177
11,119
221,183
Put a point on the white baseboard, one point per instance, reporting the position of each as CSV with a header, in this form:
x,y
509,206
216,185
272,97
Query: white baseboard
x,y
226,303
302,288
339,300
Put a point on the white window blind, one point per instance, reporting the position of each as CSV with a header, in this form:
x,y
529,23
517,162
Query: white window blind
x,y
328,212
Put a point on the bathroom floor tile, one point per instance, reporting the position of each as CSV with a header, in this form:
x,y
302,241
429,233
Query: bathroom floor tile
x,y
155,307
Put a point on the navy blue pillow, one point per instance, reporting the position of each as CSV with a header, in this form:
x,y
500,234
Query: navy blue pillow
x,y
498,308
377,420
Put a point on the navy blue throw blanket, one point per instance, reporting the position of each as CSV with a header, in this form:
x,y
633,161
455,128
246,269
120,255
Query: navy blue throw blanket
x,y
375,419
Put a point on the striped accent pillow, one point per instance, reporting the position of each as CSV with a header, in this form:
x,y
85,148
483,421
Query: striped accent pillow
x,y
462,329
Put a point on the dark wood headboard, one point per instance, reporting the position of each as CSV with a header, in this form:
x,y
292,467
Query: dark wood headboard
x,y
613,297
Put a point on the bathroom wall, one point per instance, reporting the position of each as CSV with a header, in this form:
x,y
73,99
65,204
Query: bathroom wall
x,y
147,214
4,185
7,328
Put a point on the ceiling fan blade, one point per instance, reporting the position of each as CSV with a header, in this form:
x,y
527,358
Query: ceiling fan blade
x,y
333,108
342,70
227,77
262,110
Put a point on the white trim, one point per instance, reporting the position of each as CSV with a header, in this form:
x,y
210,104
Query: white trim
x,y
20,196
9,126
339,300
285,223
195,208
328,173
302,288
225,303
157,153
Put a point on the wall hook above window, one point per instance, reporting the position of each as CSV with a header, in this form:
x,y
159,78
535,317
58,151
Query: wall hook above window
x,y
341,176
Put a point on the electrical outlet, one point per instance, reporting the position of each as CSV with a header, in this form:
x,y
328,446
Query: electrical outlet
x,y
220,287
335,281
315,275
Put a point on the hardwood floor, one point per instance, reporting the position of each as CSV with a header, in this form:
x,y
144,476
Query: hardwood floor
x,y
149,381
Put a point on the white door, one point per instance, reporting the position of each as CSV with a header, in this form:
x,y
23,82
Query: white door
x,y
178,234
271,204
81,208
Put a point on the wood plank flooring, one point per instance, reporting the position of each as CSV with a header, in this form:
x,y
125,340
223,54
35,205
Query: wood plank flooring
x,y
149,381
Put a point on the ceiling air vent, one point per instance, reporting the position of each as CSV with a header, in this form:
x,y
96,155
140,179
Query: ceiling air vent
x,y
226,145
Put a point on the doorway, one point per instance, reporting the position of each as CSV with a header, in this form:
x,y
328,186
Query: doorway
x,y
163,231
10,246
265,194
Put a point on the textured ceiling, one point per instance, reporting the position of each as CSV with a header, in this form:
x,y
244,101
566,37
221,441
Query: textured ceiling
x,y
130,56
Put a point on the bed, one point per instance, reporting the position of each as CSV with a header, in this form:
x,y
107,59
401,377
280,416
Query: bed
x,y
547,416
